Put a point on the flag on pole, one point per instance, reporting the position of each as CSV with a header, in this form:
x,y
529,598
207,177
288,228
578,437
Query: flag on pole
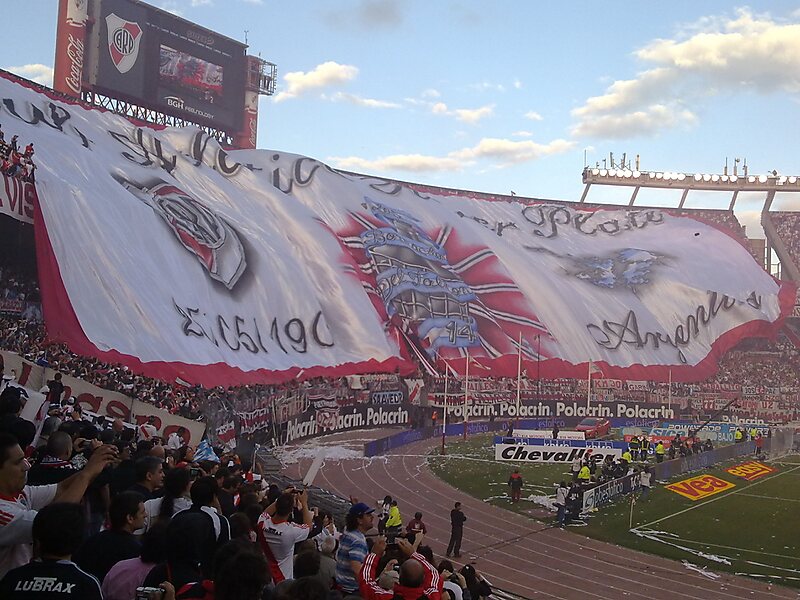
x,y
205,452
594,369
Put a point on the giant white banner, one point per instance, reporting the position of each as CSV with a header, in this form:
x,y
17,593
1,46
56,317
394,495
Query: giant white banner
x,y
162,251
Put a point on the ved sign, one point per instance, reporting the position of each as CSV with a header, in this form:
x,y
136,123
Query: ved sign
x,y
750,470
701,486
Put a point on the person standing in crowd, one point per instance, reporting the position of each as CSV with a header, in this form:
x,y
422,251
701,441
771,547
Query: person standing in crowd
x,y
57,531
415,527
19,502
576,468
515,483
277,535
478,587
561,503
383,513
353,547
759,444
394,524
229,493
207,530
556,430
149,477
147,430
176,439
646,481
124,577
55,389
585,474
177,483
645,448
54,466
105,549
633,447
660,451
457,519
738,436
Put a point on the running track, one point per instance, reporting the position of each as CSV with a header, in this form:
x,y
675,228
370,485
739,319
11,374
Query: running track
x,y
515,553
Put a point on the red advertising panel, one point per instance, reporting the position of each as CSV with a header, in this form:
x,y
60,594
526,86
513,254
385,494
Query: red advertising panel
x,y
70,47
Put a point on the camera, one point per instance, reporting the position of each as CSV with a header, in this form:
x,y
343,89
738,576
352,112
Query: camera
x,y
149,593
194,472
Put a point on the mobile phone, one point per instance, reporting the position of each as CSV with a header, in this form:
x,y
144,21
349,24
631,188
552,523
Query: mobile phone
x,y
149,593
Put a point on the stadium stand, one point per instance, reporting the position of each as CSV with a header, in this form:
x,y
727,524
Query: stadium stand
x,y
234,517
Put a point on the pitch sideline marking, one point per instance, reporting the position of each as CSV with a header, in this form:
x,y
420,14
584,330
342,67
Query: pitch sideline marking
x,y
678,539
771,498
685,510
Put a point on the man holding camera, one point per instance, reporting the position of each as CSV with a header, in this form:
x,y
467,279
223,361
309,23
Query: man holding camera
x,y
20,502
277,535
417,577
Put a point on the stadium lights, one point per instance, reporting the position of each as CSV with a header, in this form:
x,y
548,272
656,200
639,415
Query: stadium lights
x,y
692,181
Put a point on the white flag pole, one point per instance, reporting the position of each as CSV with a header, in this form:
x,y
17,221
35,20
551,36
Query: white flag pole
x,y
519,377
589,388
669,393
466,395
444,416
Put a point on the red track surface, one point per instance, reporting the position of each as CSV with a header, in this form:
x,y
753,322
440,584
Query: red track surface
x,y
518,554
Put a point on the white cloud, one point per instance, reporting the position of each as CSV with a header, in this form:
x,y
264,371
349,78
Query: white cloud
x,y
325,75
258,2
499,153
41,74
200,2
431,93
522,133
642,123
360,101
473,115
713,56
416,163
533,115
440,108
517,84
511,151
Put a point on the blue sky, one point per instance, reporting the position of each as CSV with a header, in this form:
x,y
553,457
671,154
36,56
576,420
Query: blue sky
x,y
500,96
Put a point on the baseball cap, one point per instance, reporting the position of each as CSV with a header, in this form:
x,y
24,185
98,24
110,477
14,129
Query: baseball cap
x,y
360,509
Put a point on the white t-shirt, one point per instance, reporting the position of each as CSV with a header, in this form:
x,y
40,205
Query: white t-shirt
x,y
153,507
644,479
278,540
147,431
454,589
16,524
174,442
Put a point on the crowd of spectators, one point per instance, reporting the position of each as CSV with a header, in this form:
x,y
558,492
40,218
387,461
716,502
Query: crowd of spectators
x,y
97,511
16,161
787,226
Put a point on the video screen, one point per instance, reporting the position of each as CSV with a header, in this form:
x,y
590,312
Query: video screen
x,y
190,75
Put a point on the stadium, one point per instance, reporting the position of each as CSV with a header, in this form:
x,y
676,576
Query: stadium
x,y
236,372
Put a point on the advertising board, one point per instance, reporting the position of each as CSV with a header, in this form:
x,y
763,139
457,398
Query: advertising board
x,y
699,487
750,470
156,59
551,454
